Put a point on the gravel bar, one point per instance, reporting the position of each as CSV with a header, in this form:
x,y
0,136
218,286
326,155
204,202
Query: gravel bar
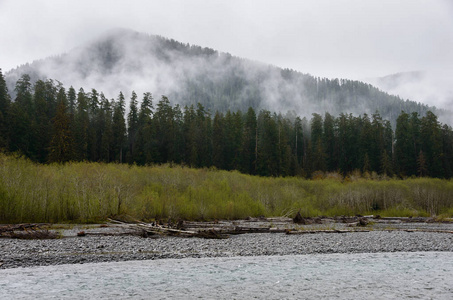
x,y
95,248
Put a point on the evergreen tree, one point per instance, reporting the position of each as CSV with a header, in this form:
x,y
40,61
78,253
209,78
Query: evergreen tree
x,y
447,149
106,130
93,132
119,129
61,146
422,167
190,147
81,123
284,148
378,141
72,101
41,126
367,145
144,150
204,136
404,150
249,142
218,139
386,164
298,148
164,131
348,135
5,106
267,162
329,141
178,118
430,133
319,156
21,118
132,129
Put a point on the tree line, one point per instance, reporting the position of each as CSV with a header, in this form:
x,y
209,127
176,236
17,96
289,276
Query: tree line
x,y
48,123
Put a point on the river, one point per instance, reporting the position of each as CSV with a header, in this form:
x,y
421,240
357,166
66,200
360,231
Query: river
x,y
402,275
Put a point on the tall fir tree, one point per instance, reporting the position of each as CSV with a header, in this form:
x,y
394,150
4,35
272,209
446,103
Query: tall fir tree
x,y
81,123
62,144
5,106
144,144
249,142
21,118
119,128
106,130
431,137
132,127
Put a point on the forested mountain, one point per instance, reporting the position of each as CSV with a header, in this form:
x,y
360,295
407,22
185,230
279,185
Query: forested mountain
x,y
124,60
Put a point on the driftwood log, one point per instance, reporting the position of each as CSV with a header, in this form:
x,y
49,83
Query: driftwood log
x,y
27,231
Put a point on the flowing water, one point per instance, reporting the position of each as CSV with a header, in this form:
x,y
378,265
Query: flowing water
x,y
418,275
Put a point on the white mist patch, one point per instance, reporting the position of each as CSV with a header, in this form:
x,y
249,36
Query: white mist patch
x,y
434,88
126,61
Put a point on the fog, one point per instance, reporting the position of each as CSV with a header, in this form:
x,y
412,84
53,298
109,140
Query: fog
x,y
434,88
335,39
126,61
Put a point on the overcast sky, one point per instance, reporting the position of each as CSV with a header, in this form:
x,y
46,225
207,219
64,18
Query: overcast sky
x,y
340,38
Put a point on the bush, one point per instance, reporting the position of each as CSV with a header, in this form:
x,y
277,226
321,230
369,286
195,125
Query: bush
x,y
91,192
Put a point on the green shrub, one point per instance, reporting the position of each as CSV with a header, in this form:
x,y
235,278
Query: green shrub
x,y
89,192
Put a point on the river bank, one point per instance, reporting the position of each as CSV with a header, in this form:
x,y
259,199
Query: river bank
x,y
114,242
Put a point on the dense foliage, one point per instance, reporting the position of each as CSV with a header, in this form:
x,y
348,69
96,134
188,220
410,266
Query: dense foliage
x,y
46,123
92,192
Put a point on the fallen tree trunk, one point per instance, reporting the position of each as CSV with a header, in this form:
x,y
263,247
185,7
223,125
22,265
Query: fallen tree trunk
x,y
28,231
146,230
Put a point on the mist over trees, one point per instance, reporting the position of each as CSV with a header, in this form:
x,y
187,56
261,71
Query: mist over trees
x,y
48,123
127,61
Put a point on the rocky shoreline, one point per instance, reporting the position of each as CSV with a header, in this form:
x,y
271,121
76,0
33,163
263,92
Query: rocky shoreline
x,y
101,243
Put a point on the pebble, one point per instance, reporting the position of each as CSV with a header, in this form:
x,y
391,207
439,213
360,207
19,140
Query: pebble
x,y
29,253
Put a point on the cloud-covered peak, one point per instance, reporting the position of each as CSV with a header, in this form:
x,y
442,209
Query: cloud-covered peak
x,y
125,60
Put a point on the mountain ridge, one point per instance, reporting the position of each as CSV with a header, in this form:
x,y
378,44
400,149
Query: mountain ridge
x,y
126,60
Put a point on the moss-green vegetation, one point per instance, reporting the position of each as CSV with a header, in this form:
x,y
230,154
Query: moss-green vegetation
x,y
91,192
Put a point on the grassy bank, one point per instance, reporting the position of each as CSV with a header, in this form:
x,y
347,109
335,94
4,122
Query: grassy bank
x,y
91,192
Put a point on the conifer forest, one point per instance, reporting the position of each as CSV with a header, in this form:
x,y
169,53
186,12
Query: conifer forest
x,y
48,123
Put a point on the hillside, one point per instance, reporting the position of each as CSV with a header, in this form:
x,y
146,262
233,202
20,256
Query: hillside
x,y
123,60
